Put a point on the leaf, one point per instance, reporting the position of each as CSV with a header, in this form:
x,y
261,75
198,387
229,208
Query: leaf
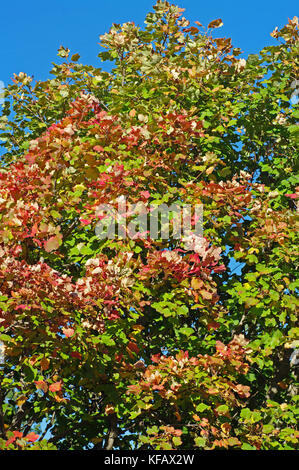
x,y
68,332
206,294
75,57
55,214
44,363
29,373
133,347
246,446
196,283
52,244
268,428
55,387
202,407
63,52
186,331
5,338
200,441
41,385
32,437
177,441
107,340
21,400
215,23
182,310
233,441
222,409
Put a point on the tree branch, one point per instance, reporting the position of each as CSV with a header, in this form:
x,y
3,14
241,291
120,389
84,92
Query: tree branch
x,y
112,432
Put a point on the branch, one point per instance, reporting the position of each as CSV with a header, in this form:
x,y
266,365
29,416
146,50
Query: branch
x,y
112,432
2,428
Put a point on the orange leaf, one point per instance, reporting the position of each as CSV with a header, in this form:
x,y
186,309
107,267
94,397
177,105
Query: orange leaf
x,y
32,437
109,409
56,387
41,385
282,385
68,332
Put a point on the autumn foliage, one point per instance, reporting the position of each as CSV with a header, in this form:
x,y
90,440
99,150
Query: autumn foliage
x,y
134,342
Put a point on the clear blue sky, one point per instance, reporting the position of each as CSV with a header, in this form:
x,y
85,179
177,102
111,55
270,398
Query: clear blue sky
x,y
31,31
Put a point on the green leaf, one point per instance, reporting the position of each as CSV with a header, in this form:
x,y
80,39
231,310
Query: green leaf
x,y
246,446
177,441
200,441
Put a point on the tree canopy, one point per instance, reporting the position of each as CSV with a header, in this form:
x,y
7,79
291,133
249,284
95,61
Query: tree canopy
x,y
140,342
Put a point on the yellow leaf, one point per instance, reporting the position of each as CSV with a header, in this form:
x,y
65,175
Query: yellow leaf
x,y
138,327
21,400
196,283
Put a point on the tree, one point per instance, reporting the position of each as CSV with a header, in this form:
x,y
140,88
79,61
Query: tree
x,y
150,342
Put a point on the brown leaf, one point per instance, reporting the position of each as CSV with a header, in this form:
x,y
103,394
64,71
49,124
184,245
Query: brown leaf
x,y
215,23
44,363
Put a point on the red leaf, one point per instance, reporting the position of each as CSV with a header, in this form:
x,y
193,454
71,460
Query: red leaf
x,y
76,355
10,441
133,347
118,357
156,357
85,221
32,437
213,325
145,194
21,307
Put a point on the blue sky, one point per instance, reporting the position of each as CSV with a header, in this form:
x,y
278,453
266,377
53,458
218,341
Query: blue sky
x,y
32,31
